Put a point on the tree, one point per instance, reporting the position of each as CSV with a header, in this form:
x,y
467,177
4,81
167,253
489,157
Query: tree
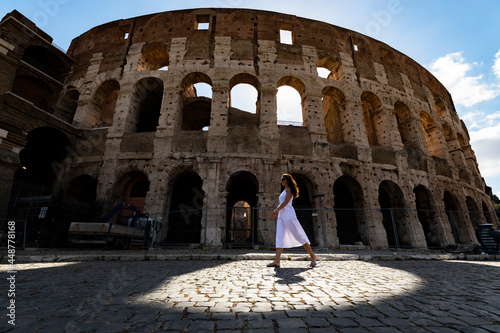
x,y
495,199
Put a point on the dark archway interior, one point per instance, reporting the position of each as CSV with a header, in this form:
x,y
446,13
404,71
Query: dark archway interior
x,y
304,209
345,213
242,186
426,216
41,157
185,214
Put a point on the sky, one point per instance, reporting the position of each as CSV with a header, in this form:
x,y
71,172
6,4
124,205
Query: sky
x,y
456,40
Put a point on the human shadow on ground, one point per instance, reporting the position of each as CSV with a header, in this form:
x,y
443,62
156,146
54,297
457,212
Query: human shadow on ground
x,y
82,297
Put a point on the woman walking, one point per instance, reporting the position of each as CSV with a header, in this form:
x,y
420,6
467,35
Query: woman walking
x,y
289,232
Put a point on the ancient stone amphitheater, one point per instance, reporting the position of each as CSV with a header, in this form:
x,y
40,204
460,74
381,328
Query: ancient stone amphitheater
x,y
381,156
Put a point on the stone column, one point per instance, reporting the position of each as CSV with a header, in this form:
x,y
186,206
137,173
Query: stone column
x,y
84,117
217,132
269,131
313,113
214,213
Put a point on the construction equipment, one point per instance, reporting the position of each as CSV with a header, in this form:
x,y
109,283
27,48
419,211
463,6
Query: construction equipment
x,y
125,232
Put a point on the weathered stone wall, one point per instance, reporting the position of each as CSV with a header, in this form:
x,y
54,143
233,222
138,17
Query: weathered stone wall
x,y
380,126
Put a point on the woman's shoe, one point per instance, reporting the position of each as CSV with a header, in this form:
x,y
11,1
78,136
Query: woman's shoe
x,y
272,264
313,264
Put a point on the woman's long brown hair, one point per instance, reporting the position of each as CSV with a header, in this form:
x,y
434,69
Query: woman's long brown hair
x,y
292,184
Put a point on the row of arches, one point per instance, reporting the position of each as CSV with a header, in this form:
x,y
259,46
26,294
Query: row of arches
x,y
413,129
401,219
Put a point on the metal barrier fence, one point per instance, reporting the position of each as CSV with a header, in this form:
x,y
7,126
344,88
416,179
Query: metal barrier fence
x,y
254,226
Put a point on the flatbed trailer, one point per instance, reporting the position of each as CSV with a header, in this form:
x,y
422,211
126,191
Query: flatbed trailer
x,y
129,233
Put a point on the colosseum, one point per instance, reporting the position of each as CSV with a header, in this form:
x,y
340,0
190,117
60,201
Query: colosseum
x,y
381,156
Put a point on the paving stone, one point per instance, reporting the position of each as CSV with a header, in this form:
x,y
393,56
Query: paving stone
x,y
342,322
346,296
316,322
290,323
261,323
229,324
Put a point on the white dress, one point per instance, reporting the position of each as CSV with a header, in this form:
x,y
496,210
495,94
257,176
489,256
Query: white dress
x,y
289,232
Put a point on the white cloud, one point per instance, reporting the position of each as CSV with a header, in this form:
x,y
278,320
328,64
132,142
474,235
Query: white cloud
x,y
496,65
452,71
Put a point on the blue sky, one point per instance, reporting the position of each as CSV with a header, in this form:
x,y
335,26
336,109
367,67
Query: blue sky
x,y
457,40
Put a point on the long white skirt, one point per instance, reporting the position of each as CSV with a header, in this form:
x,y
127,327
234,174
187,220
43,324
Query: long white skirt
x,y
289,232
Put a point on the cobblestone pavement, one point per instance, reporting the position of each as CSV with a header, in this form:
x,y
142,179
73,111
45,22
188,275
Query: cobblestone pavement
x,y
246,296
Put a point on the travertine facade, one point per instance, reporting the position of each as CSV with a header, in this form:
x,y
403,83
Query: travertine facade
x,y
379,132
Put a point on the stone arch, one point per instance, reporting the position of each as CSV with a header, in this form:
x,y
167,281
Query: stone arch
x,y
334,108
441,108
372,107
432,135
103,103
456,219
148,95
67,105
304,207
428,217
349,213
475,214
196,110
242,186
300,88
185,205
82,188
331,65
405,125
122,188
251,86
395,218
490,216
42,157
153,57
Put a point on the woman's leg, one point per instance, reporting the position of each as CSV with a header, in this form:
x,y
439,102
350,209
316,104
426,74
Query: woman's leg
x,y
278,256
310,251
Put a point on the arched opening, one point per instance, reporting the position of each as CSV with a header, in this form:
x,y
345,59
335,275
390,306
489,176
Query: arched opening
x,y
34,90
242,186
103,104
392,206
149,92
490,216
405,124
135,193
426,212
334,105
185,210
441,109
289,102
474,212
154,57
41,158
82,188
330,68
196,101
67,105
348,205
245,93
456,219
432,135
371,106
241,223
34,196
304,209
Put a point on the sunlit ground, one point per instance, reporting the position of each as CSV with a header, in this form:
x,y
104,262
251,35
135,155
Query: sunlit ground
x,y
248,284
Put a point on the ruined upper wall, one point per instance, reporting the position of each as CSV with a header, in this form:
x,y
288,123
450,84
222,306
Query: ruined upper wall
x,y
246,27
